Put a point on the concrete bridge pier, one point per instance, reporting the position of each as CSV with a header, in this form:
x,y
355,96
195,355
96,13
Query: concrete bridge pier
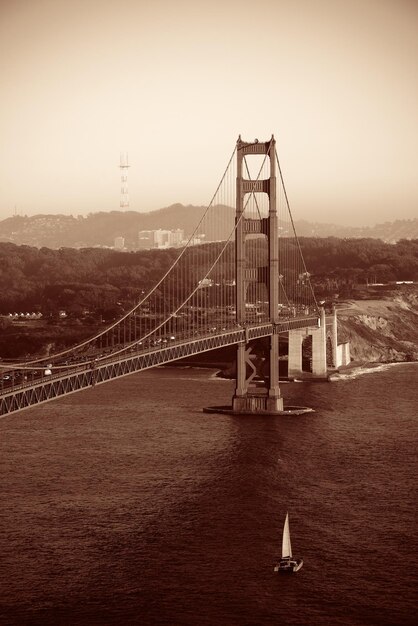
x,y
319,350
338,356
249,397
294,363
340,351
319,347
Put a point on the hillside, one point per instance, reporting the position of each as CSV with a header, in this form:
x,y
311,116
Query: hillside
x,y
100,229
47,280
92,285
382,330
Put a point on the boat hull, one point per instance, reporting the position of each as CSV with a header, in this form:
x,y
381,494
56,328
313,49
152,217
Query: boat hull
x,y
289,567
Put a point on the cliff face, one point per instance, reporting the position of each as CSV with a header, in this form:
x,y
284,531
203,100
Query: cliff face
x,y
384,330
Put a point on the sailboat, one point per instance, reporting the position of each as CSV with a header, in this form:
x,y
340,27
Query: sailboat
x,y
287,563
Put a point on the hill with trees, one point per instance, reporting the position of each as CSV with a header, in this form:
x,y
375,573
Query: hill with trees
x,y
92,278
95,286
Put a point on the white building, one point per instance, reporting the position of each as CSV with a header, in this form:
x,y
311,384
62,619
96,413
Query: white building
x,y
145,239
176,237
119,243
160,238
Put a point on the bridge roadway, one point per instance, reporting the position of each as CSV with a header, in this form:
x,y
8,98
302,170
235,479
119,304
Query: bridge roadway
x,y
26,394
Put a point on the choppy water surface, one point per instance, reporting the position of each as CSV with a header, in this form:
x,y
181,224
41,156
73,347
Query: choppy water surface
x,y
125,504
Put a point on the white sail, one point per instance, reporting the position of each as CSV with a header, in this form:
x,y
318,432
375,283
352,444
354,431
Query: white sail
x,y
286,546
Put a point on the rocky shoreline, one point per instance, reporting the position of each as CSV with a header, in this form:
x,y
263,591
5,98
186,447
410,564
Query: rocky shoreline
x,y
381,330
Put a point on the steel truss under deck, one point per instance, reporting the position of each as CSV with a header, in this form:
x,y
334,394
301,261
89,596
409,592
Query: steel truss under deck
x,y
94,373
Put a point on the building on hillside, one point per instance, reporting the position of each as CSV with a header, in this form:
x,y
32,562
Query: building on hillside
x,y
31,316
176,237
145,239
160,238
119,243
196,241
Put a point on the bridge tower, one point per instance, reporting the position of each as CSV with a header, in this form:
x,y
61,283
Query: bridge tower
x,y
249,398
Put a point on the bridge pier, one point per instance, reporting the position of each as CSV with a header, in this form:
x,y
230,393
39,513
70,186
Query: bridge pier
x,y
340,353
249,396
319,347
334,338
294,362
319,350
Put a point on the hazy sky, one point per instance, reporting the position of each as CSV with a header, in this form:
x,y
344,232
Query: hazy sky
x,y
174,82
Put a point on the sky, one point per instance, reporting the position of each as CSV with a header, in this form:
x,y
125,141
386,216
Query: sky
x,y
174,82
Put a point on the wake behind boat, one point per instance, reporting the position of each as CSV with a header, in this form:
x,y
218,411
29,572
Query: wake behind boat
x,y
287,564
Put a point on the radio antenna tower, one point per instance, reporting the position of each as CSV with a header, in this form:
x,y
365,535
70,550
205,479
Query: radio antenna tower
x,y
124,165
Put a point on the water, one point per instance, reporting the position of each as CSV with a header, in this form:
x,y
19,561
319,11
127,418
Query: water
x,y
125,504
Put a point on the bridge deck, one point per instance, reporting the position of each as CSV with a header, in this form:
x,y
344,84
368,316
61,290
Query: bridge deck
x,y
17,397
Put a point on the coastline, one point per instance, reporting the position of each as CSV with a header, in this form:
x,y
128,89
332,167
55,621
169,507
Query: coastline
x,y
370,367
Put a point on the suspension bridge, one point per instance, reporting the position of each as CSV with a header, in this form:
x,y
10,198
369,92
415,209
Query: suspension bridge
x,y
241,277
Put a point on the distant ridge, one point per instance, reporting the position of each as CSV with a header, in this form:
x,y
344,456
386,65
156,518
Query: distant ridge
x,y
389,232
101,228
